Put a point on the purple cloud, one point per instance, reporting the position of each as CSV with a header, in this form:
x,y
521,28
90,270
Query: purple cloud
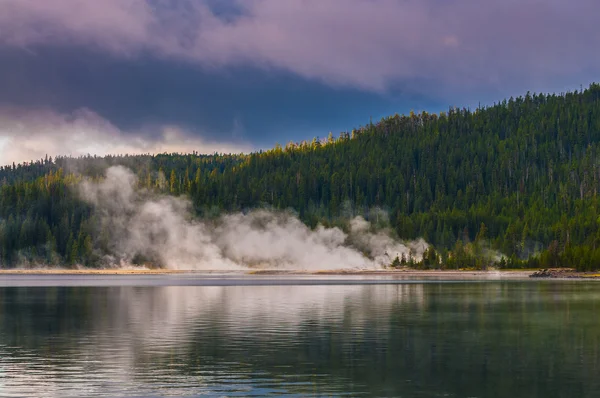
x,y
370,44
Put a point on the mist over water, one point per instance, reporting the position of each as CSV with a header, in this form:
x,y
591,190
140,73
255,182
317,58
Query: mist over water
x,y
161,230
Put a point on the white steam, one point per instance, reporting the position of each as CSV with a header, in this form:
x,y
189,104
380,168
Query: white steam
x,y
162,231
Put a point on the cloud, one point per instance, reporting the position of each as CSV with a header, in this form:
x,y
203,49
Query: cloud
x,y
370,44
115,25
30,135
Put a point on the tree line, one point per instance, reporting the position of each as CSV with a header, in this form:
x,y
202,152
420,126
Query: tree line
x,y
514,184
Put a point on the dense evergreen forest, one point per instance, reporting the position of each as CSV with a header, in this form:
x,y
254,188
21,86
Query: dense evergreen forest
x,y
520,178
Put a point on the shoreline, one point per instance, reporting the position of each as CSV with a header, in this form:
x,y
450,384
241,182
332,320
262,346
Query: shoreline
x,y
410,273
268,272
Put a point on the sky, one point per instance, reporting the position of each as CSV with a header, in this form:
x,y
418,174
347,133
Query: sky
x,y
148,76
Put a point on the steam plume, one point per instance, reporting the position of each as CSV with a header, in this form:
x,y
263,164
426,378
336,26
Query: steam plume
x,y
162,231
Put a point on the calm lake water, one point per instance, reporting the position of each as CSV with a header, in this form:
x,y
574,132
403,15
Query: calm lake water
x,y
418,339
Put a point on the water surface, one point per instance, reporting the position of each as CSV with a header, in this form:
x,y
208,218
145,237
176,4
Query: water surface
x,y
405,339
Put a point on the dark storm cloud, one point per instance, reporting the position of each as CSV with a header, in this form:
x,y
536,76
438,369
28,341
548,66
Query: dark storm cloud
x,y
231,104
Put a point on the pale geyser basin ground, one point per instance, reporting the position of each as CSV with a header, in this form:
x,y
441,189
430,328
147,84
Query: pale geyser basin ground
x,y
148,277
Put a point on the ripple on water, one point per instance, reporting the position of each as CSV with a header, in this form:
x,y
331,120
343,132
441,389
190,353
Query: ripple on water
x,y
494,339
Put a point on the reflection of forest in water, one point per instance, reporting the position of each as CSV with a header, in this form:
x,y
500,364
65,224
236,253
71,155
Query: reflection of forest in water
x,y
486,339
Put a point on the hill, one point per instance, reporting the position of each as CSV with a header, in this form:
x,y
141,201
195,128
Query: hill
x,y
518,179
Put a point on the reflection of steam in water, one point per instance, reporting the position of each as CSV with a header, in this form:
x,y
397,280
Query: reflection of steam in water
x,y
308,340
130,331
165,313
141,227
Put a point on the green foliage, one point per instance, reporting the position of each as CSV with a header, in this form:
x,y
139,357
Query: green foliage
x,y
521,178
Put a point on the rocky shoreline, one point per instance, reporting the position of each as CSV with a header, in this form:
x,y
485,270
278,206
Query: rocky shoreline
x,y
569,273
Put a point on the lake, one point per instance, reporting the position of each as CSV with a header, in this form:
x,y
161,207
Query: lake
x,y
324,337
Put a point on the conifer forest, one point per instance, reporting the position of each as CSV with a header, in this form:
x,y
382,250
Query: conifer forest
x,y
513,185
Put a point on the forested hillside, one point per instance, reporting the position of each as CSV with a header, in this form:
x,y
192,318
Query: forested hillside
x,y
521,177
